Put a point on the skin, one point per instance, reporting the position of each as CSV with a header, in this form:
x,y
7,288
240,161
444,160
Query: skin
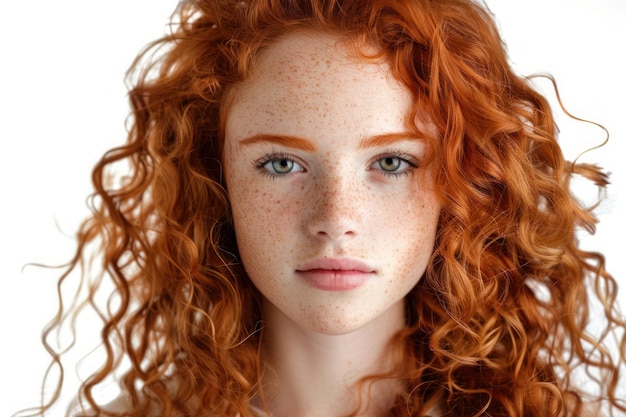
x,y
320,164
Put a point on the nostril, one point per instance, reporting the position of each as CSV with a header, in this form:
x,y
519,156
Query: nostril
x,y
333,227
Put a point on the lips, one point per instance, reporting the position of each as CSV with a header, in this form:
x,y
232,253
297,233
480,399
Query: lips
x,y
335,274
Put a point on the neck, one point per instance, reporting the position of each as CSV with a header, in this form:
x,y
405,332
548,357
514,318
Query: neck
x,y
311,374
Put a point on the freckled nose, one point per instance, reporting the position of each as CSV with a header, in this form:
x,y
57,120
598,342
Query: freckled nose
x,y
336,211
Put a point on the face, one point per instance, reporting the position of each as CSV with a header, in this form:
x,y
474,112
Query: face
x,y
334,217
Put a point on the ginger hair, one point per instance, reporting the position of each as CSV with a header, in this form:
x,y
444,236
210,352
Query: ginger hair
x,y
497,327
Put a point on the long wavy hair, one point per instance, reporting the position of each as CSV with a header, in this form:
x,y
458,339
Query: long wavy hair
x,y
499,324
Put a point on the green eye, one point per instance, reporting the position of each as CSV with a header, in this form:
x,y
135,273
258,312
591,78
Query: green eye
x,y
278,165
282,166
394,165
390,164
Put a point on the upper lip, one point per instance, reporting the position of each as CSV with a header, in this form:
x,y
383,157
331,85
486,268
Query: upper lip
x,y
335,264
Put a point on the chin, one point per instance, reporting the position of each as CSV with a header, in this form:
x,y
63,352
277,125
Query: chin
x,y
338,324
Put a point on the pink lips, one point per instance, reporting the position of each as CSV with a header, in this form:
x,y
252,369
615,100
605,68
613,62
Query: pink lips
x,y
335,274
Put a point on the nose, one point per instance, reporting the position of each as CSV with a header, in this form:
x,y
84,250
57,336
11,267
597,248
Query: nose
x,y
336,210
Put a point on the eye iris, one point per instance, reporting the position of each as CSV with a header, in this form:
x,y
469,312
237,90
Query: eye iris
x,y
282,166
389,164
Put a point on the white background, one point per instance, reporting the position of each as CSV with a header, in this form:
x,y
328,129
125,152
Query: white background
x,y
63,104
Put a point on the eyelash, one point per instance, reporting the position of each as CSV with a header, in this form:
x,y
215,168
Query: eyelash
x,y
409,160
261,163
412,163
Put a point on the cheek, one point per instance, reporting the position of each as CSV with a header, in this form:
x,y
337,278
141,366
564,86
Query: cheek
x,y
259,220
256,208
415,232
250,211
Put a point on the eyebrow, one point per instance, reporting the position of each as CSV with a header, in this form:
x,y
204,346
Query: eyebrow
x,y
307,145
385,139
284,140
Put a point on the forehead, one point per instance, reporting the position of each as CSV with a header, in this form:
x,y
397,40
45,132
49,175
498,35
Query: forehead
x,y
325,56
311,73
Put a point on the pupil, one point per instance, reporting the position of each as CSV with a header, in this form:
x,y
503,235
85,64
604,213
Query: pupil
x,y
389,164
282,165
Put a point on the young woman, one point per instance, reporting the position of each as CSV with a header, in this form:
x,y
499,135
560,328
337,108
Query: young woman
x,y
344,208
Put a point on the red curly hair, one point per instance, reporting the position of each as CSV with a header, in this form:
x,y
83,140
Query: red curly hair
x,y
498,326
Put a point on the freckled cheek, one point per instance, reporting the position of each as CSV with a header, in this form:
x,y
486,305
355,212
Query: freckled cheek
x,y
261,214
412,231
269,208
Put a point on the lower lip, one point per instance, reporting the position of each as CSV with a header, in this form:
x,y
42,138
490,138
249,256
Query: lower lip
x,y
334,280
